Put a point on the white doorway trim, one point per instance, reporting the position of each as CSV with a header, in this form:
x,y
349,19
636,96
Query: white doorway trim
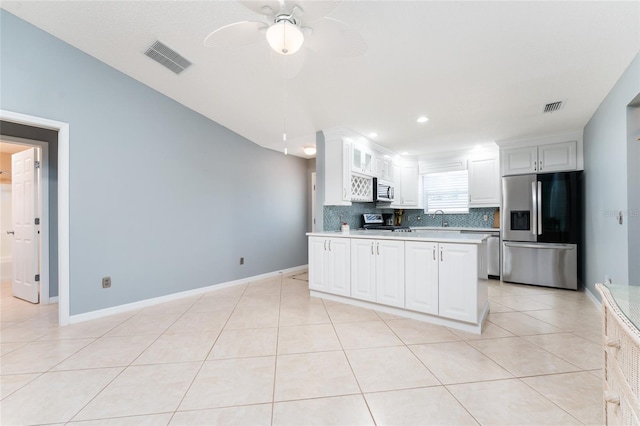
x,y
43,201
63,201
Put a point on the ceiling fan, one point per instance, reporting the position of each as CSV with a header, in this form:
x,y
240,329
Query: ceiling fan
x,y
287,25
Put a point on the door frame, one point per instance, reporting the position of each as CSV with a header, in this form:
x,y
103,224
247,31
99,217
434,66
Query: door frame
x,y
43,200
63,201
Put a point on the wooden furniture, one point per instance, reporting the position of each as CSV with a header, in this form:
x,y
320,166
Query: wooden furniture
x,y
621,343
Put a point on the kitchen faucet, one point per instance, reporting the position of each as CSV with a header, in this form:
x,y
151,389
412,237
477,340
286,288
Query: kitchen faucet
x,y
434,216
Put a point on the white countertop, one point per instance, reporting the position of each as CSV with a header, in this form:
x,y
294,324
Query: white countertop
x,y
457,229
441,235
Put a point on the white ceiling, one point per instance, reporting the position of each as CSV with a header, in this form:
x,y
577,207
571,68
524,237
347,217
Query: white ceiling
x,y
481,71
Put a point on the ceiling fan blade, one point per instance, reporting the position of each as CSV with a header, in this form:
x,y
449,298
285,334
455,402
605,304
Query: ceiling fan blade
x,y
288,66
263,7
312,10
237,34
335,38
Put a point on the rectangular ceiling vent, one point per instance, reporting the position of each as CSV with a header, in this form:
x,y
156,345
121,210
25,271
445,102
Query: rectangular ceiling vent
x,y
167,57
552,107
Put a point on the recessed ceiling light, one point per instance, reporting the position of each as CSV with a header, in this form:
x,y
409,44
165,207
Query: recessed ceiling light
x,y
309,150
405,153
373,135
422,119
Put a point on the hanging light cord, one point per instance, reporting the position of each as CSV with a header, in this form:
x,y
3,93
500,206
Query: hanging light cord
x,y
284,105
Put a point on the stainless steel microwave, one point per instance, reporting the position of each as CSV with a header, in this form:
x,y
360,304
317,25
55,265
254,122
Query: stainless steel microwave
x,y
382,191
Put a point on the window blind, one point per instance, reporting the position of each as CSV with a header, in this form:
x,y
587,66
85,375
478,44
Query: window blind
x,y
446,191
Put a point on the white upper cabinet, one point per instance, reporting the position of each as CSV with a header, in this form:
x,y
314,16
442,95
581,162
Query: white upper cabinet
x,y
520,160
556,157
337,179
362,160
484,180
406,185
384,167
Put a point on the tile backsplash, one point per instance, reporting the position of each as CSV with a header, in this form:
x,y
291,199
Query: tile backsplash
x,y
335,215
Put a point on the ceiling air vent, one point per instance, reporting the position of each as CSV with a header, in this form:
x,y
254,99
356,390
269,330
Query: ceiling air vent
x,y
167,57
552,107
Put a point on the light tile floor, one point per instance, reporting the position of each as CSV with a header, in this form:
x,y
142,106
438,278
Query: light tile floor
x,y
266,353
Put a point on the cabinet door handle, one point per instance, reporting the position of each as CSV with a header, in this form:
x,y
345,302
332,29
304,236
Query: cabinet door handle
x,y
378,248
612,342
434,252
329,245
540,166
372,248
612,398
325,245
441,259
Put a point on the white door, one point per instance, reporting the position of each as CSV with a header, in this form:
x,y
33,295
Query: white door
x,y
24,203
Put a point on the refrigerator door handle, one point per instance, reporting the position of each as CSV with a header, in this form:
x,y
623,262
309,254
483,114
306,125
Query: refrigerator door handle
x,y
534,199
541,246
539,205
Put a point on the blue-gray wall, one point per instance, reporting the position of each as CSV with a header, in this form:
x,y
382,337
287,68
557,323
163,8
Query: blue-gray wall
x,y
606,184
162,199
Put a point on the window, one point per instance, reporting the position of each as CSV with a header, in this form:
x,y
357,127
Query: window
x,y
446,191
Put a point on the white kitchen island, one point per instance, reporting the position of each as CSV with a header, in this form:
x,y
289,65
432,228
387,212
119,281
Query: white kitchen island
x,y
431,276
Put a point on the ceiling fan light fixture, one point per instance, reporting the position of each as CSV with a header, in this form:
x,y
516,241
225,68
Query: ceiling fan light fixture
x,y
285,37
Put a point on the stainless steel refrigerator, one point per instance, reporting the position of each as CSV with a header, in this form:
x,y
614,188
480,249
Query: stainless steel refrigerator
x,y
542,228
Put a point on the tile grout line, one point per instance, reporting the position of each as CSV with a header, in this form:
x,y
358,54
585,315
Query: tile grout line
x,y
275,361
207,355
344,353
124,368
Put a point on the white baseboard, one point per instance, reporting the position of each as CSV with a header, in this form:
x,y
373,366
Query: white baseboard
x,y
87,316
593,298
53,299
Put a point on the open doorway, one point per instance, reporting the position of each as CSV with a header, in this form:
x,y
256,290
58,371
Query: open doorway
x,y
24,227
53,138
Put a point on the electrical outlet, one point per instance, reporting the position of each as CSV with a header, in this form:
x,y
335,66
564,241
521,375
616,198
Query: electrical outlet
x,y
419,217
106,282
242,260
485,217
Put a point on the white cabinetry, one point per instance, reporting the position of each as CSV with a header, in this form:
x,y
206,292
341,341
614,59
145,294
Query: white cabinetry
x,y
421,276
377,272
443,279
362,160
406,185
384,167
484,180
557,157
337,189
329,265
554,157
458,281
